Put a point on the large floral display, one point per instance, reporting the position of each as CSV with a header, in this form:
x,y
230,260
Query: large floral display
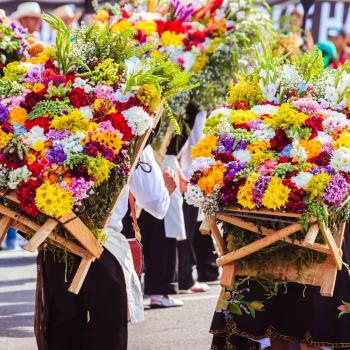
x,y
70,117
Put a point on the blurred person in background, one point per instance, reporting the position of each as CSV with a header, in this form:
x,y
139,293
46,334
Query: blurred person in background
x,y
28,15
339,38
329,52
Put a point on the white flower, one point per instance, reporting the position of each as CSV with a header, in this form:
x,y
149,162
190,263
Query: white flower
x,y
302,179
18,175
340,160
133,65
138,120
224,127
264,109
194,195
202,163
121,97
72,143
35,134
265,133
298,152
83,84
225,112
243,156
324,138
87,112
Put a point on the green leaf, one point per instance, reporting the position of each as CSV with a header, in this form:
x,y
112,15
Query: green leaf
x,y
235,309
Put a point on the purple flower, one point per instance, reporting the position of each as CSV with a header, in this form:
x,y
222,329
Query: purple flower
x,y
34,74
56,155
56,80
55,135
233,168
226,142
104,91
255,124
337,190
260,185
92,149
322,169
4,114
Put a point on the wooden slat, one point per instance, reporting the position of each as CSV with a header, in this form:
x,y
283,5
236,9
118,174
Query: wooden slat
x,y
334,249
82,233
5,223
12,196
80,276
20,218
228,274
220,243
257,245
40,236
264,212
311,235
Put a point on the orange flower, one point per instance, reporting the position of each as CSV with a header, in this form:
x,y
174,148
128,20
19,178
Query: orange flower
x,y
18,115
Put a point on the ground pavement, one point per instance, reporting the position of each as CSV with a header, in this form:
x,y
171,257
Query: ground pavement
x,y
184,328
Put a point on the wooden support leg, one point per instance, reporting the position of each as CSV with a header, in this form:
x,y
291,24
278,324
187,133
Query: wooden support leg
x,y
5,223
228,274
335,251
329,277
41,235
80,275
311,235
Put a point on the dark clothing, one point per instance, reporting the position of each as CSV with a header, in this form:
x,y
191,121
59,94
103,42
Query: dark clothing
x,y
94,319
196,250
160,256
301,314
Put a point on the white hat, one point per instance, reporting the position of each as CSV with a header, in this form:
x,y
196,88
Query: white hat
x,y
2,13
66,11
27,9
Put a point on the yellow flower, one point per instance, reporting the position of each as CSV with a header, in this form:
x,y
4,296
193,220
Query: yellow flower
x,y
204,147
102,15
38,146
242,117
245,192
276,194
312,147
100,169
4,138
102,106
92,127
259,157
256,146
149,96
73,122
18,115
148,27
37,59
215,176
200,63
317,185
53,200
171,39
120,26
31,158
342,141
286,117
245,91
110,140
37,87
156,53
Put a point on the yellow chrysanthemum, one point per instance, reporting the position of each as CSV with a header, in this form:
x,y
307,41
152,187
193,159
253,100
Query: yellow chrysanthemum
x,y
317,185
102,106
312,147
286,117
109,139
215,176
149,96
276,194
241,117
31,158
148,27
18,115
100,169
256,146
53,200
200,63
342,141
120,26
259,157
204,147
38,146
73,122
102,15
171,39
245,91
245,193
37,87
92,127
4,138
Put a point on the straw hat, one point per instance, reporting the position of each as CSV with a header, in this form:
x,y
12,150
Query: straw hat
x,y
66,11
27,9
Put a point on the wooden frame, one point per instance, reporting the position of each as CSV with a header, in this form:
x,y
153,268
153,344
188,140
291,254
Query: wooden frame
x,y
89,248
322,275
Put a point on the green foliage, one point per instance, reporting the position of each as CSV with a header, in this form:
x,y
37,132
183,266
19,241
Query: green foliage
x,y
310,65
76,159
60,91
52,108
10,88
16,146
105,72
13,71
317,210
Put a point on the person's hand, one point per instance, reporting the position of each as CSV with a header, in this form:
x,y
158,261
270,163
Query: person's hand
x,y
169,180
183,185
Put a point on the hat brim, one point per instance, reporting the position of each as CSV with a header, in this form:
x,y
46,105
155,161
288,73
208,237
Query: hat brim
x,y
18,14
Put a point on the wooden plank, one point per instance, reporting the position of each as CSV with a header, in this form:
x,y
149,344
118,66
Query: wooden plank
x,y
259,244
218,238
40,236
80,276
5,223
228,274
267,231
82,233
311,235
329,277
20,218
264,212
334,249
12,196
205,227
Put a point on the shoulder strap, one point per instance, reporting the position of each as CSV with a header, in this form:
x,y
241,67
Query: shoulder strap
x,y
135,225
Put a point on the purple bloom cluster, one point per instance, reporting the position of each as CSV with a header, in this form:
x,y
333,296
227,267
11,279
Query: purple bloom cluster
x,y
233,168
4,114
56,155
183,12
34,74
255,124
337,190
55,135
259,188
92,148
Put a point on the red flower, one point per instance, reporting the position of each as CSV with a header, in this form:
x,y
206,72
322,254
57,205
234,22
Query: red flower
x,y
31,100
140,36
78,97
38,168
242,126
118,121
315,123
321,159
172,26
296,197
26,195
279,141
43,122
284,159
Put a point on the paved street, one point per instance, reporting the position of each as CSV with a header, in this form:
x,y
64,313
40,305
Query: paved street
x,y
183,328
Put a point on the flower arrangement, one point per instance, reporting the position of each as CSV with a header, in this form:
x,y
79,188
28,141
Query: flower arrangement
x,y
13,42
70,117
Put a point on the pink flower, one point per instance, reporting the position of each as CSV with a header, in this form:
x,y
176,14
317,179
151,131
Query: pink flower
x,y
268,167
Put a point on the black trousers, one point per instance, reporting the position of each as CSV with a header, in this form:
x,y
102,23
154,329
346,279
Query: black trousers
x,y
197,250
159,255
103,297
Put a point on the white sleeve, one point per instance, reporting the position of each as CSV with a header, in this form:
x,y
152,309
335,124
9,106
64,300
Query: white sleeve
x,y
148,188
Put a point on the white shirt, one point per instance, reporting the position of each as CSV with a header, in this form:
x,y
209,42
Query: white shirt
x,y
151,194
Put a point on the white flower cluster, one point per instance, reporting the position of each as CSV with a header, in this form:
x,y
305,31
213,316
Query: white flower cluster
x,y
334,120
138,120
265,133
264,109
298,152
340,160
83,84
242,156
194,195
202,164
72,143
18,175
4,173
35,134
302,179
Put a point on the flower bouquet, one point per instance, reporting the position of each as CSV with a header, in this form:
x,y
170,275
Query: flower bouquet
x,y
74,119
274,166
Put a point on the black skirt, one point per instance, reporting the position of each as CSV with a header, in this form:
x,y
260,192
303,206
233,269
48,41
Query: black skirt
x,y
297,313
